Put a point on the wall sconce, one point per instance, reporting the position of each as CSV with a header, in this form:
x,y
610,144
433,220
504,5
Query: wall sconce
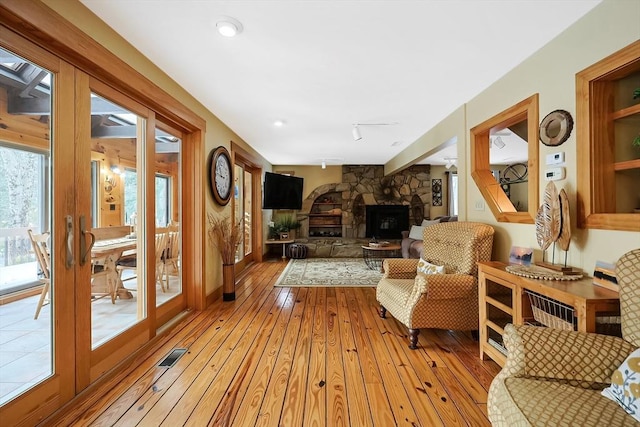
x,y
115,169
324,164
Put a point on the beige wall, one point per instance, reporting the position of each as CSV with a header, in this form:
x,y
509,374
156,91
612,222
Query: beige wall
x,y
217,133
550,72
314,176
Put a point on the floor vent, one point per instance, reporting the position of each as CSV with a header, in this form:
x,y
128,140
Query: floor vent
x,y
173,357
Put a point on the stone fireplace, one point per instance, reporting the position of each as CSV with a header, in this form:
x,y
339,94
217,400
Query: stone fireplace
x,y
362,186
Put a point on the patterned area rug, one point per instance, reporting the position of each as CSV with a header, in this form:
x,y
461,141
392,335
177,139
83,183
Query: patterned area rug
x,y
328,272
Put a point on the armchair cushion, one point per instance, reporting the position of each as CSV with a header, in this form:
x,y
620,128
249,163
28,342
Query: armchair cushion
x,y
560,371
625,385
425,267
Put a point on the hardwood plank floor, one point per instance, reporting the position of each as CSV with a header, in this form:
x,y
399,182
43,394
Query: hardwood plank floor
x,y
299,357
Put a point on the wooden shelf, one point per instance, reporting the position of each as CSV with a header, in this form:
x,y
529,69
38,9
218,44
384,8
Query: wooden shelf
x,y
326,226
625,112
626,165
607,123
326,215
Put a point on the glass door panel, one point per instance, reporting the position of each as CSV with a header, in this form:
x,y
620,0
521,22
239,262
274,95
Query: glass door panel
x,y
168,201
238,206
118,291
26,271
247,214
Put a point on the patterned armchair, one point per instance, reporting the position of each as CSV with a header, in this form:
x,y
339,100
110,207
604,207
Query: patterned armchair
x,y
555,377
443,301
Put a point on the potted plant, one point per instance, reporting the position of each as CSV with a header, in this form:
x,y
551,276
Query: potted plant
x,y
284,225
225,236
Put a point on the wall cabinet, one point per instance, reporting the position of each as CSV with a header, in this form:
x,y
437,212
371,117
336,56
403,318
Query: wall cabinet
x,y
506,298
608,118
325,218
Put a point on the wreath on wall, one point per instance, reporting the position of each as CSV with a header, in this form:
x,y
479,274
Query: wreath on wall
x,y
386,191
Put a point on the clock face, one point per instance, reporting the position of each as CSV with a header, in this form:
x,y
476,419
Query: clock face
x,y
221,175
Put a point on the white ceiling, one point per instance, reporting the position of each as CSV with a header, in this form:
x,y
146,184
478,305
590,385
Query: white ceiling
x,y
322,65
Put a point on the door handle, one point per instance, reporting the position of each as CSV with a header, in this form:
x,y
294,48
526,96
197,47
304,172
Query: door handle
x,y
84,250
69,238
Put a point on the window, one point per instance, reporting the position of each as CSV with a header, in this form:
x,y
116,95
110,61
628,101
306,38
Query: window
x,y
23,181
453,194
163,197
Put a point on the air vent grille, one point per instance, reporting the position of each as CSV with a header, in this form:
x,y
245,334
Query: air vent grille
x,y
173,357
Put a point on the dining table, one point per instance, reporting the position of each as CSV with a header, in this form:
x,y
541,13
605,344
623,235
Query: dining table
x,y
106,253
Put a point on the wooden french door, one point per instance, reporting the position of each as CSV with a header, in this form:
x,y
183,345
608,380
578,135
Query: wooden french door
x,y
39,112
246,208
111,200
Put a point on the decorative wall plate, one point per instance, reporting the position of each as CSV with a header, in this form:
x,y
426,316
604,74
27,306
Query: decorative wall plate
x,y
556,127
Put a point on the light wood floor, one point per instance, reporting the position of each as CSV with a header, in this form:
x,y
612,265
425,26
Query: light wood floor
x,y
299,357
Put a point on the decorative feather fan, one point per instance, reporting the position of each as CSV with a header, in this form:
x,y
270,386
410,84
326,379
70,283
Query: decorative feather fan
x,y
565,232
542,231
551,211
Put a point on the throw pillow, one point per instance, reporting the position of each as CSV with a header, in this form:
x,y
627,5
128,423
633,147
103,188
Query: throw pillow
x,y
425,267
416,232
426,222
625,385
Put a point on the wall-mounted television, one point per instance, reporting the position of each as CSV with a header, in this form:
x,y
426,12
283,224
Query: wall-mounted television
x,y
282,191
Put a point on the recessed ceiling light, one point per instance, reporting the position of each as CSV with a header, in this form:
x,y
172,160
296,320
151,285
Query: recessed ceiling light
x,y
278,123
396,143
228,26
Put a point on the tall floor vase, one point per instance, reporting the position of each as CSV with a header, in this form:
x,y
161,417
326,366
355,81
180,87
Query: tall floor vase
x,y
228,282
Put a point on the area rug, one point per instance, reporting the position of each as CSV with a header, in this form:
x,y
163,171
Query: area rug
x,y
329,272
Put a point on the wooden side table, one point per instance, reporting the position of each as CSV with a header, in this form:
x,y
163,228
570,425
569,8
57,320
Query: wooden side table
x,y
373,256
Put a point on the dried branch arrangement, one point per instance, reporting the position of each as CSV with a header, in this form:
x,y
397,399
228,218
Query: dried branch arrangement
x,y
224,236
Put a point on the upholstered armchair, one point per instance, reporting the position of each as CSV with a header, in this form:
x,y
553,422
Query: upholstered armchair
x,y
442,301
555,377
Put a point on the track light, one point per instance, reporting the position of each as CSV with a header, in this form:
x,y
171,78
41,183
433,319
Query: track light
x,y
498,142
356,129
356,133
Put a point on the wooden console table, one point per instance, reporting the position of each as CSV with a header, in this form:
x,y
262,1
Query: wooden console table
x,y
503,299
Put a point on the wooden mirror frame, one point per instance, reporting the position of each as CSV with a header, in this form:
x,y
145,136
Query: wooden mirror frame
x,y
502,208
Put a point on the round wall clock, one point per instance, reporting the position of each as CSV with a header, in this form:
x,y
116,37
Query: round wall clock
x,y
556,127
221,175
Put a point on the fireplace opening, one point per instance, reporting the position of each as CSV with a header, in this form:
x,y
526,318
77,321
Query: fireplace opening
x,y
386,221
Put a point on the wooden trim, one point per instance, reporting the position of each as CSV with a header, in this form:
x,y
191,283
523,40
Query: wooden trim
x,y
596,198
240,155
497,201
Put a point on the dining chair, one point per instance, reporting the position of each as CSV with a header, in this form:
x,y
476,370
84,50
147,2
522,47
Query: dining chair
x,y
162,250
171,258
39,243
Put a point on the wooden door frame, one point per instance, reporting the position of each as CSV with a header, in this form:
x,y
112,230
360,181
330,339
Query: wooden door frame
x,y
240,155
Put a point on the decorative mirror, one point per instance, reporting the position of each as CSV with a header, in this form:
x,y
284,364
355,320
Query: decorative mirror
x,y
556,127
507,141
